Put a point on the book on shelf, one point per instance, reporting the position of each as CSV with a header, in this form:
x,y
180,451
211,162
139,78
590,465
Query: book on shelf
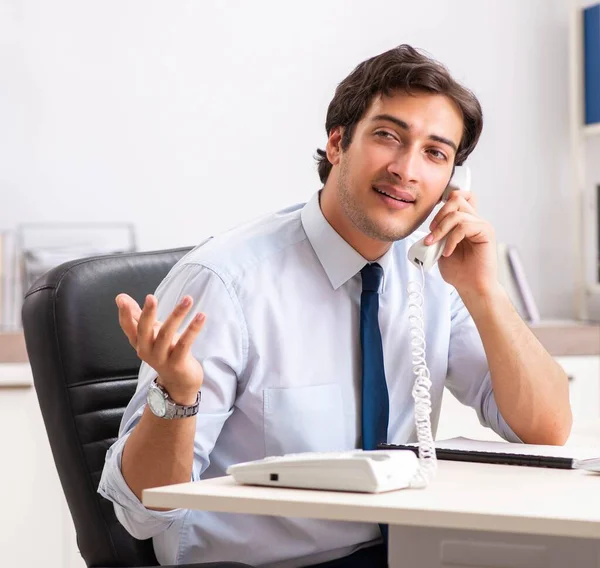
x,y
532,314
591,55
511,274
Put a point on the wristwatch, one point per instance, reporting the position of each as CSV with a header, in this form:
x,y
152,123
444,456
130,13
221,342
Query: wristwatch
x,y
163,406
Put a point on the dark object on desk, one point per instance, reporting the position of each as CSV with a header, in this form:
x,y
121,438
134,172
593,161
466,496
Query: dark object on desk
x,y
85,372
490,457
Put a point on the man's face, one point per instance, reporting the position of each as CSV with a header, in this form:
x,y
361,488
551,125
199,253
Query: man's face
x,y
405,147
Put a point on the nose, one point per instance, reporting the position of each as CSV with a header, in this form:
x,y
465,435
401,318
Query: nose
x,y
405,165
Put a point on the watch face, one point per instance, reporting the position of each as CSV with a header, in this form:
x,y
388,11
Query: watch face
x,y
157,402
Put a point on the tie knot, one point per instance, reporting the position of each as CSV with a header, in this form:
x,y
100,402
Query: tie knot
x,y
372,274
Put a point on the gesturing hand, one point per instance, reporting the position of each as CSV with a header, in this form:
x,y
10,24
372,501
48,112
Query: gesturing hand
x,y
161,347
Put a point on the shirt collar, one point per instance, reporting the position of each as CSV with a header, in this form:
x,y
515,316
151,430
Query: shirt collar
x,y
339,260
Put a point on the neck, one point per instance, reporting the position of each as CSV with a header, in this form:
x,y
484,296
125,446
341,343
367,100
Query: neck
x,y
369,248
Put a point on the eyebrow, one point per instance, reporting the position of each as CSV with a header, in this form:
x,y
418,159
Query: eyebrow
x,y
405,126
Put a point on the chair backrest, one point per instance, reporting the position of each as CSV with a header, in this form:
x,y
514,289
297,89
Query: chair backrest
x,y
85,372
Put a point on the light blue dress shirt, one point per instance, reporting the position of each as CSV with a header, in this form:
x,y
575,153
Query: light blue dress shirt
x,y
281,356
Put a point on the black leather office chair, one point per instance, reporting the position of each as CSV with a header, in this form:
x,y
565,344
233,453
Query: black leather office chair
x,y
85,373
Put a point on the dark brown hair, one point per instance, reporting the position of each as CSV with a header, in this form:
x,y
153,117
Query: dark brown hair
x,y
400,69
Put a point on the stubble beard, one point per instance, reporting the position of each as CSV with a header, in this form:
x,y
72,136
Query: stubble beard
x,y
360,218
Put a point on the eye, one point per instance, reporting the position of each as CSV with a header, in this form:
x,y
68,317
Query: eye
x,y
437,154
385,135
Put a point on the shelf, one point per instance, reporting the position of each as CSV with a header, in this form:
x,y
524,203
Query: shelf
x,y
560,338
12,347
591,130
568,338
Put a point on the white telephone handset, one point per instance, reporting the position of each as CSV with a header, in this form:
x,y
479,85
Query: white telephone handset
x,y
424,255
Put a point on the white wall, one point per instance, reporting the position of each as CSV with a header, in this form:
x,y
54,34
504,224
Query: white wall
x,y
189,117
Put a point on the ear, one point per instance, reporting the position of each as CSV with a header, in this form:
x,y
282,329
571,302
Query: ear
x,y
333,148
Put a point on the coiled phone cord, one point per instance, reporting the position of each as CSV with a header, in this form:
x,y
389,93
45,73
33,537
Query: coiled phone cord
x,y
421,389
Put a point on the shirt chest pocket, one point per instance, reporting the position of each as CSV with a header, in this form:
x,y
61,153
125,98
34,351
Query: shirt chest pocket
x,y
304,419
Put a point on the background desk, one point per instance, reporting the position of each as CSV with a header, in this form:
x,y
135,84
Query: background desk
x,y
477,514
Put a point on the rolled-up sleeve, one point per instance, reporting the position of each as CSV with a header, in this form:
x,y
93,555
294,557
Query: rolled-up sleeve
x,y
221,347
140,522
468,376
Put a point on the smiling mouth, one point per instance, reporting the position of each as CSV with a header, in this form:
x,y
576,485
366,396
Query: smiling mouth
x,y
391,196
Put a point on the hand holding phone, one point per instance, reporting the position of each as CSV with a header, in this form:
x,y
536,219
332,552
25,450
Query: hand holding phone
x,y
424,255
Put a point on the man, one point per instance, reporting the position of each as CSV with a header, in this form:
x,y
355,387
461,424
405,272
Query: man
x,y
279,361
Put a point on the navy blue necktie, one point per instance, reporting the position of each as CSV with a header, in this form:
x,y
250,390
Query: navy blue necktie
x,y
375,400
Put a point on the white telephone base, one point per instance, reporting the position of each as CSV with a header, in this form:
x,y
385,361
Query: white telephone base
x,y
355,470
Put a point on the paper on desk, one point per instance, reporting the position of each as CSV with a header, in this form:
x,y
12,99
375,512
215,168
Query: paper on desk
x,y
591,464
468,444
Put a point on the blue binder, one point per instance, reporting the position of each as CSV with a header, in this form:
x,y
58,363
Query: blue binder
x,y
591,34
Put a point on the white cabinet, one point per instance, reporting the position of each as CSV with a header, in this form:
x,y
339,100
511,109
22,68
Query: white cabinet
x,y
459,420
35,527
584,386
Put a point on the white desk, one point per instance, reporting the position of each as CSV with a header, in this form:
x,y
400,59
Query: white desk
x,y
518,502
